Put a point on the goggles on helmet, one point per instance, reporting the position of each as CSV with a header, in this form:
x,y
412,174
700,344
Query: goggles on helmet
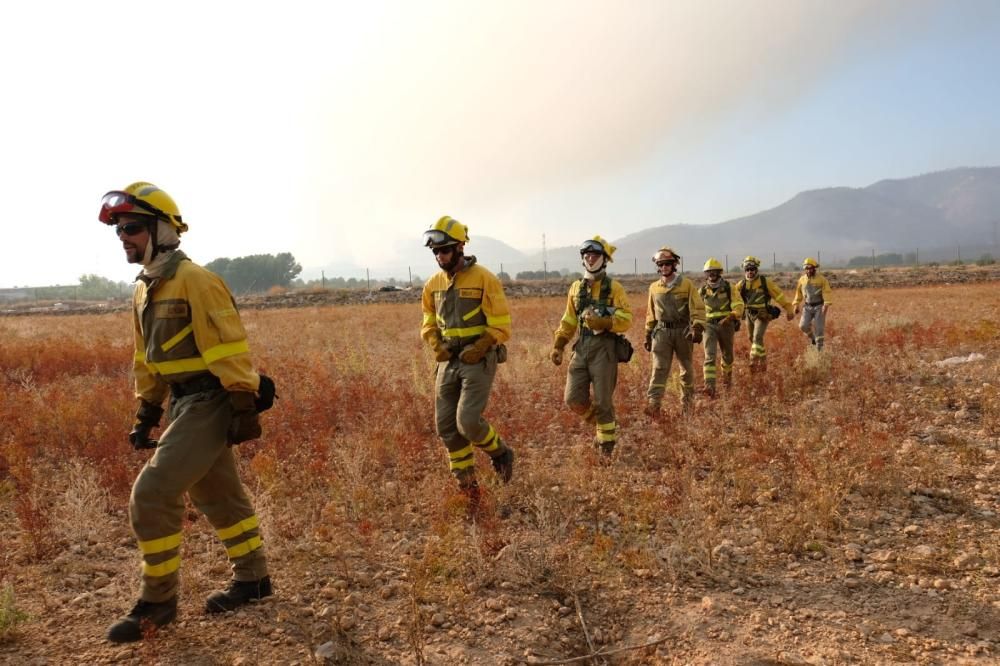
x,y
591,246
437,238
115,202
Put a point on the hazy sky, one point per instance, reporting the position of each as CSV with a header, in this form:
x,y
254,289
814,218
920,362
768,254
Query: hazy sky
x,y
339,133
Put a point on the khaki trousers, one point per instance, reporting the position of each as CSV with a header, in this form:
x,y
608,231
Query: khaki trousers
x,y
667,343
718,337
756,328
461,392
593,363
192,457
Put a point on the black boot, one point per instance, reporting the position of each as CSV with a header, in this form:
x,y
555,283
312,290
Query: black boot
x,y
503,465
238,593
145,617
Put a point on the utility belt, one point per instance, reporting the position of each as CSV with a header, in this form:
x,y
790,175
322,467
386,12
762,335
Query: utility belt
x,y
456,345
199,384
819,302
715,318
660,325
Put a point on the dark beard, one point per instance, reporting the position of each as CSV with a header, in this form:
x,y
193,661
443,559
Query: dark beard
x,y
456,258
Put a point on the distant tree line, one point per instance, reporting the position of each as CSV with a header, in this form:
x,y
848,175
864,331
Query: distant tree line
x,y
885,259
256,272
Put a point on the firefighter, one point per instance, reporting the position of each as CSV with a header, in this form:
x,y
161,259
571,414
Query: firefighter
x,y
812,295
675,321
723,310
757,293
190,345
466,322
598,307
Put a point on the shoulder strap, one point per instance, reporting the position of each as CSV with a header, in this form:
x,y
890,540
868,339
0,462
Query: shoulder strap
x,y
606,291
767,292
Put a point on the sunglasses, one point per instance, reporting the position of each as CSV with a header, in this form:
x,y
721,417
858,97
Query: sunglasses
x,y
130,228
447,249
661,264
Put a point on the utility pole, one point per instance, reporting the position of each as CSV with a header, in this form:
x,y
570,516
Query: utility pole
x,y
635,265
368,279
774,261
409,271
727,263
323,278
873,258
545,260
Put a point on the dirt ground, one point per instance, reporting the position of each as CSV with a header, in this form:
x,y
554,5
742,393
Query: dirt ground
x,y
841,509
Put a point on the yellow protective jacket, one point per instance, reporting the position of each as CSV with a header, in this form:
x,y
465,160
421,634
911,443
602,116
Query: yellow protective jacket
x,y
721,301
186,324
678,301
813,291
617,306
459,309
755,299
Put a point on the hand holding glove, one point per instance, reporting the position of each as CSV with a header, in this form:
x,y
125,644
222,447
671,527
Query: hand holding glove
x,y
441,353
245,425
556,355
147,417
648,344
474,353
595,322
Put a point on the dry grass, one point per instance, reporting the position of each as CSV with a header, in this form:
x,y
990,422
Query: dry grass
x,y
350,470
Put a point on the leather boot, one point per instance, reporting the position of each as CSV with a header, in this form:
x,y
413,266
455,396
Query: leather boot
x,y
238,593
503,465
144,618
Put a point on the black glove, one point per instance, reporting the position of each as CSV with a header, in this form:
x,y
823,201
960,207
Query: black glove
x,y
694,334
147,417
648,344
266,394
245,424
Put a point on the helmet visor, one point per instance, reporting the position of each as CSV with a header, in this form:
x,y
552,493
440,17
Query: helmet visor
x,y
116,202
437,238
591,246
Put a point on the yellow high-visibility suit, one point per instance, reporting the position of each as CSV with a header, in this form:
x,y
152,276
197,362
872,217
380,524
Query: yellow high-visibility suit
x,y
189,341
814,294
672,309
756,299
593,361
458,311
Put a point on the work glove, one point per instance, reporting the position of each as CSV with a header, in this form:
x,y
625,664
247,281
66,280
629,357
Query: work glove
x,y
556,355
474,353
694,334
441,353
789,316
245,425
648,344
147,417
595,322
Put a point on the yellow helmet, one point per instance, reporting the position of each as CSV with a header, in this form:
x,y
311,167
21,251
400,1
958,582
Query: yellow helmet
x,y
749,261
143,199
598,244
666,252
446,231
712,264
809,261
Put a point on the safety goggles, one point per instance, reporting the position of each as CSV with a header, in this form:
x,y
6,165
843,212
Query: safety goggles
x,y
115,203
750,269
591,246
130,228
437,238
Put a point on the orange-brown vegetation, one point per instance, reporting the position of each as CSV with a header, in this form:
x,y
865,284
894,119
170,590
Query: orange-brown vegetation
x,y
840,507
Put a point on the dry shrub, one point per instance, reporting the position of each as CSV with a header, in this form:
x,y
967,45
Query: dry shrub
x,y
81,511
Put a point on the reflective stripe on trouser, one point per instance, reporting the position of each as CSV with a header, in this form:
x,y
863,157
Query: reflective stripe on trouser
x,y
192,457
668,342
718,337
756,328
593,362
461,392
813,322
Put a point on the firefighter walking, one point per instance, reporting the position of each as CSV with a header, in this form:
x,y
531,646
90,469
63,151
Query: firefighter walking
x,y
757,293
465,322
675,320
189,344
723,311
812,296
598,307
